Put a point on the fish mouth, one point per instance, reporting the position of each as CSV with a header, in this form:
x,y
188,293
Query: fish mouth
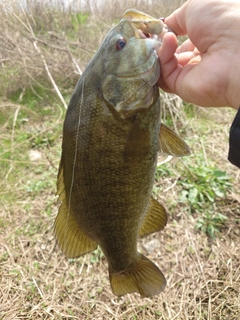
x,y
147,26
142,34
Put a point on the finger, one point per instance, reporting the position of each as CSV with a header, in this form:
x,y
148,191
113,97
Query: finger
x,y
176,21
186,46
168,48
189,57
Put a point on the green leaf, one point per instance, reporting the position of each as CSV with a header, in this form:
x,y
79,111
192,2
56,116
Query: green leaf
x,y
193,193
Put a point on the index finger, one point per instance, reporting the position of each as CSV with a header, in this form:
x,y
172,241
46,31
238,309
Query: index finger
x,y
177,21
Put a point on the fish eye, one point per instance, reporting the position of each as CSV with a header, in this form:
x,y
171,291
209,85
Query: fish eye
x,y
120,43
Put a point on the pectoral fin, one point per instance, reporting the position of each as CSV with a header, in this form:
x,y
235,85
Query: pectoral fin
x,y
71,239
154,220
170,143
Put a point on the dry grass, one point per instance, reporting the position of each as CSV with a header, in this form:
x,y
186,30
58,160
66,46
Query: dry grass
x,y
45,40
36,280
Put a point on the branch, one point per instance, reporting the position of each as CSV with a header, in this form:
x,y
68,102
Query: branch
x,y
49,74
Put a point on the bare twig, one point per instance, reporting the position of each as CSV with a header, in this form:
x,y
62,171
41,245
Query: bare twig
x,y
49,75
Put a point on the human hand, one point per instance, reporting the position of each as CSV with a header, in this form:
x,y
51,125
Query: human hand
x,y
205,69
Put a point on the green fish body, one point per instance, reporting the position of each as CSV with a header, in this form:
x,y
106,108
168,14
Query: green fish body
x,y
111,138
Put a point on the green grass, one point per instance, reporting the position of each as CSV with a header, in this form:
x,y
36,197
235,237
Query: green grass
x,y
200,187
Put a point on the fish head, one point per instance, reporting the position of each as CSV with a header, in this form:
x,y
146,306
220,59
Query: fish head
x,y
130,64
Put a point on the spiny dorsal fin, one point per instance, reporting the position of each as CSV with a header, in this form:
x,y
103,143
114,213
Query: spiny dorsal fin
x,y
170,143
71,239
154,220
142,276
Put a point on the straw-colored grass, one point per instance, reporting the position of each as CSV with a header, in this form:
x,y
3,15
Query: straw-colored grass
x,y
42,52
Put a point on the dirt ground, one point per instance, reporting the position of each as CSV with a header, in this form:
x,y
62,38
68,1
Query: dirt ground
x,y
38,282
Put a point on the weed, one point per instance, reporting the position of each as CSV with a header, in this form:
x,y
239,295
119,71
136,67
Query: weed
x,y
70,312
201,185
4,257
163,171
96,256
45,182
189,110
77,19
210,223
36,265
32,287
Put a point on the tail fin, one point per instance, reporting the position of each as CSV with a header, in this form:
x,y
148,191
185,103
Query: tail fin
x,y
142,276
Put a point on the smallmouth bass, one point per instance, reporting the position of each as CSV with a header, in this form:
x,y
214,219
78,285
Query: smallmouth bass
x,y
111,138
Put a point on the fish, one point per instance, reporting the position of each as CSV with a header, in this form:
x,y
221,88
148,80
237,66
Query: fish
x,y
112,134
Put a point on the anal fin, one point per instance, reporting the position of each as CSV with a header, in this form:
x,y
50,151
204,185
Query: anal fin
x,y
154,220
171,144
